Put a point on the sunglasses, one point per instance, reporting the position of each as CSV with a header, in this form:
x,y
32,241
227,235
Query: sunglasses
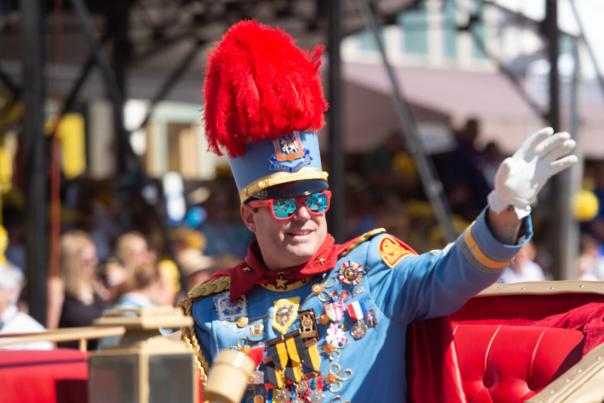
x,y
285,208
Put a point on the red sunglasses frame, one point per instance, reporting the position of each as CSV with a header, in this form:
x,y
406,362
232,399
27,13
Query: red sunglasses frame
x,y
300,202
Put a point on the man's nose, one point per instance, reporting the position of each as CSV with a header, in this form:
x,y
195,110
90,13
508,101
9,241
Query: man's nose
x,y
302,212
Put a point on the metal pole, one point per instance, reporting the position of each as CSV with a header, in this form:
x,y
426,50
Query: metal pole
x,y
560,184
336,146
576,172
432,185
35,156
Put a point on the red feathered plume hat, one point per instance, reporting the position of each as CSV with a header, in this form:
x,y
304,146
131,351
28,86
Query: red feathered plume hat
x,y
263,106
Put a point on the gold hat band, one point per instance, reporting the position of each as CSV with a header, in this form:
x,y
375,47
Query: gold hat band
x,y
279,178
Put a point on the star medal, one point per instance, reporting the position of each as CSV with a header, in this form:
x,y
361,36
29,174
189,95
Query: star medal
x,y
358,330
336,337
351,273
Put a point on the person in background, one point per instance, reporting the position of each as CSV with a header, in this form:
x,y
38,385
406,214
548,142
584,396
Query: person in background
x,y
11,320
141,288
132,249
76,293
589,255
523,267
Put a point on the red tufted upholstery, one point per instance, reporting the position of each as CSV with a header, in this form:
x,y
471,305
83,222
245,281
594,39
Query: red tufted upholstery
x,y
502,363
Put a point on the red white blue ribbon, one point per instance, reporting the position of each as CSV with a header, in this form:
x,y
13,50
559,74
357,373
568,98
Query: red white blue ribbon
x,y
356,310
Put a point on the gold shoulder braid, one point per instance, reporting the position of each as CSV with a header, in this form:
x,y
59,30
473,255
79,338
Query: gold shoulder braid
x,y
187,334
210,287
359,240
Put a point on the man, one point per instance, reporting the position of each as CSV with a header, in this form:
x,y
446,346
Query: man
x,y
11,320
329,321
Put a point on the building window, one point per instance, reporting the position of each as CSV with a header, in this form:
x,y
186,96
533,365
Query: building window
x,y
414,24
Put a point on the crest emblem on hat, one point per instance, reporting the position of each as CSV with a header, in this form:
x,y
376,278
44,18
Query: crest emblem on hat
x,y
290,154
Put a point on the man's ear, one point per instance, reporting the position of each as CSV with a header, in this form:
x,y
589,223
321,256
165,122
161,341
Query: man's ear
x,y
247,215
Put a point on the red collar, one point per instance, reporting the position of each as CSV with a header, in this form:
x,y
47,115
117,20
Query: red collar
x,y
253,271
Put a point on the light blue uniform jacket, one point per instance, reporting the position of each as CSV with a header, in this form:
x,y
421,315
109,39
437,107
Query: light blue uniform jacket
x,y
418,287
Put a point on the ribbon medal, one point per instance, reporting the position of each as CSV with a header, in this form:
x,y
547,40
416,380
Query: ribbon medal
x,y
356,310
351,273
256,331
334,311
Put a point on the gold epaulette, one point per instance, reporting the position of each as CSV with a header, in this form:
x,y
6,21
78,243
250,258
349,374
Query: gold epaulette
x,y
210,287
360,239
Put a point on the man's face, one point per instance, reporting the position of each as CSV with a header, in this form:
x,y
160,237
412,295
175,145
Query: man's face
x,y
285,243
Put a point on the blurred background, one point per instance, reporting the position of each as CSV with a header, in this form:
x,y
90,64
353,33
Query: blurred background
x,y
109,196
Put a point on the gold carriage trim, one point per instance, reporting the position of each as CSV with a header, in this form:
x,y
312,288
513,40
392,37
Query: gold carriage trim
x,y
279,178
479,255
359,240
187,335
210,287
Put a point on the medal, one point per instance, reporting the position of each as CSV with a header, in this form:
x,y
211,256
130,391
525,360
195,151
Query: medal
x,y
336,337
371,318
308,325
334,311
317,289
356,310
359,330
351,273
285,312
256,331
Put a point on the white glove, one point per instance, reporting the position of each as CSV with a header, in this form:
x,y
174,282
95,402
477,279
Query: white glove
x,y
520,177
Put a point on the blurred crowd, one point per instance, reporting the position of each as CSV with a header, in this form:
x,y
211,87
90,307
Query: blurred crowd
x,y
112,257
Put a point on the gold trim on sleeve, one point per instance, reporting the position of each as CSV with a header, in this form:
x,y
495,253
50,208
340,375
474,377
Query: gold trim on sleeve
x,y
479,255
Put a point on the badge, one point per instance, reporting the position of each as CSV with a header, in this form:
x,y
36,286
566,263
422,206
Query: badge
x,y
356,310
344,295
358,330
256,331
324,319
228,310
392,251
285,312
336,337
371,318
334,311
308,325
290,155
351,273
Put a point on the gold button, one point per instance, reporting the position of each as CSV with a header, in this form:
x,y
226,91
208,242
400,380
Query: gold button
x,y
242,321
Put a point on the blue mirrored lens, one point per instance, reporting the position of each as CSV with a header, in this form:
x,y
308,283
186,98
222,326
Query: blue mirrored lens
x,y
284,208
317,203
